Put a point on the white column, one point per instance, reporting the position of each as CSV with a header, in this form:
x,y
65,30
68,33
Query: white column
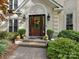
x,y
27,27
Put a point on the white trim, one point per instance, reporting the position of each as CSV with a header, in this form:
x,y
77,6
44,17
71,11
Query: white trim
x,y
25,2
13,4
55,3
21,5
27,21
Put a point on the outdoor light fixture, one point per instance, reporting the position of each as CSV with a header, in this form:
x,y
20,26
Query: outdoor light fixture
x,y
48,17
24,17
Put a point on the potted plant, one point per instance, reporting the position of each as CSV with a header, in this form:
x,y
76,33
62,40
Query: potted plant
x,y
45,37
50,33
21,32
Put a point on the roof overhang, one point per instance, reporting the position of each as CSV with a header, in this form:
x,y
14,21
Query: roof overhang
x,y
53,2
56,4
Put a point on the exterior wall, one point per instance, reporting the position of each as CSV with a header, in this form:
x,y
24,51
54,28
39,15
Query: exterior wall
x,y
61,20
57,22
77,14
70,7
40,7
19,2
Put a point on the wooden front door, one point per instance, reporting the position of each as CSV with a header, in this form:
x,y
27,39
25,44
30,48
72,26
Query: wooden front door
x,y
36,25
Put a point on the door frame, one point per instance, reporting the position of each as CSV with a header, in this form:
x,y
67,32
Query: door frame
x,y
43,24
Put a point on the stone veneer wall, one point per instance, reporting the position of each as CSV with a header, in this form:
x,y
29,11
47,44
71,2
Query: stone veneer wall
x,y
70,6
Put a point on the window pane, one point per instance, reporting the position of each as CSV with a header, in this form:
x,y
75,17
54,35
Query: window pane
x,y
15,4
15,25
10,28
10,25
69,21
10,4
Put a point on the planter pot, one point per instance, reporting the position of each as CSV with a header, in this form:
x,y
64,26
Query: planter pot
x,y
18,37
18,42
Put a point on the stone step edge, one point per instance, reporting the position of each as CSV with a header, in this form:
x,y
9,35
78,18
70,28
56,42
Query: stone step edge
x,y
29,45
39,41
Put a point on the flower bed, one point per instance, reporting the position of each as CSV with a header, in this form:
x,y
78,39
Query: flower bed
x,y
9,51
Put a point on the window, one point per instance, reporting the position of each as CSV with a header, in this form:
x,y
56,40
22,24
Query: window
x,y
15,4
69,21
13,25
10,25
10,4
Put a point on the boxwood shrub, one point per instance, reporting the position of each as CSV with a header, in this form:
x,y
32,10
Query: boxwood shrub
x,y
4,44
50,33
63,48
3,35
21,32
69,34
11,36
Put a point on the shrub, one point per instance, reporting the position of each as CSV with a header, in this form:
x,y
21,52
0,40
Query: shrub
x,y
69,34
3,35
11,36
50,33
21,32
8,36
4,44
2,49
63,48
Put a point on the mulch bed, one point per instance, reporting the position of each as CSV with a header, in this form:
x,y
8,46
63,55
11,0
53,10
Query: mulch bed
x,y
9,51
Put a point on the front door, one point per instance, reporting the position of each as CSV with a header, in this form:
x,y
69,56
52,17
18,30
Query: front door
x,y
36,25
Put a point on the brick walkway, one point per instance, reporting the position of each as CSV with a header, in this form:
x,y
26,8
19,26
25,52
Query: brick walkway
x,y
29,52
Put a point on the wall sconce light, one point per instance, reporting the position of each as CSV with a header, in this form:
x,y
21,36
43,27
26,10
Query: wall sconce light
x,y
48,17
24,17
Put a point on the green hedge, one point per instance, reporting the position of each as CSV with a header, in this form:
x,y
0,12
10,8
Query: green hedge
x,y
4,44
11,36
5,38
8,36
63,48
3,35
69,34
21,32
